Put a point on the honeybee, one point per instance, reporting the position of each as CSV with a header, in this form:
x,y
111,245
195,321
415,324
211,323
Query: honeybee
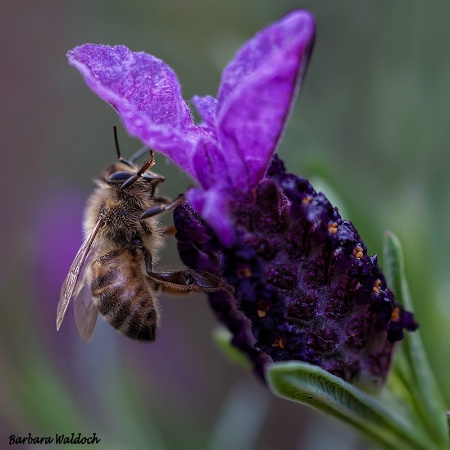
x,y
112,271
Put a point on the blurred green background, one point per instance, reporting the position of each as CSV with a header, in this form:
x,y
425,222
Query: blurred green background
x,y
372,121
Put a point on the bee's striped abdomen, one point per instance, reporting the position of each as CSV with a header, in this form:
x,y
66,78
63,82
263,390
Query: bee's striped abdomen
x,y
123,295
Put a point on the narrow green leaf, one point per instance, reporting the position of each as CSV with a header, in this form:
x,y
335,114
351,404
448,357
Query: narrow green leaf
x,y
447,416
416,369
394,268
311,385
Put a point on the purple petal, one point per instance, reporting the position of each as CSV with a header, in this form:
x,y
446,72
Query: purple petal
x,y
257,91
206,106
210,166
147,95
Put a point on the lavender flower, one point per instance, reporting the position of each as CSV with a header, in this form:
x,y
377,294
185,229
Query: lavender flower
x,y
305,287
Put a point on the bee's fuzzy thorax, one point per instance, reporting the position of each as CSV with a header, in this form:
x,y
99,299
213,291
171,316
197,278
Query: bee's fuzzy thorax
x,y
121,210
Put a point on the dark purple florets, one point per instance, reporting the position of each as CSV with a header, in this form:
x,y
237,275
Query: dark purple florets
x,y
305,288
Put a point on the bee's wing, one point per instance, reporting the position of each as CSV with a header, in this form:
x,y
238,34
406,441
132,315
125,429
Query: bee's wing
x,y
85,310
77,272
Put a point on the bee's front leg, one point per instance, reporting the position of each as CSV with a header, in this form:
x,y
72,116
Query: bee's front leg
x,y
162,208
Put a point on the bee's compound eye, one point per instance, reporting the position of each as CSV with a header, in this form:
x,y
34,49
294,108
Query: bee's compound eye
x,y
121,175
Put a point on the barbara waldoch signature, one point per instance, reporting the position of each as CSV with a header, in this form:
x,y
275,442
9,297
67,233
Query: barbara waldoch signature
x,y
57,439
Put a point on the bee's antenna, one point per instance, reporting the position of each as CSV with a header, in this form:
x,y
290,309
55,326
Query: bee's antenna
x,y
136,156
116,142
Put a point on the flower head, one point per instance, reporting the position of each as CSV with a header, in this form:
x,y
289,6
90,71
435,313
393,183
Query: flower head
x,y
305,287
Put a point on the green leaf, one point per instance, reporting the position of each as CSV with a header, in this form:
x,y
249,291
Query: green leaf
x,y
50,408
313,386
222,337
413,366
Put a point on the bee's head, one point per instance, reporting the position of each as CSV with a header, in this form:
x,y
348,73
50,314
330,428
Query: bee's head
x,y
121,172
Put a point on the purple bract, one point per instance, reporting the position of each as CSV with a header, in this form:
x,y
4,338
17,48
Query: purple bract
x,y
305,288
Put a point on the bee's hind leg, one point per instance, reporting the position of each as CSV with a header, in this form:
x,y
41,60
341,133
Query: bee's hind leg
x,y
182,280
187,280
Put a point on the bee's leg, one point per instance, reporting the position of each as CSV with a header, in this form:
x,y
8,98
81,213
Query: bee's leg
x,y
169,230
153,178
148,259
187,280
136,243
183,280
162,200
162,208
